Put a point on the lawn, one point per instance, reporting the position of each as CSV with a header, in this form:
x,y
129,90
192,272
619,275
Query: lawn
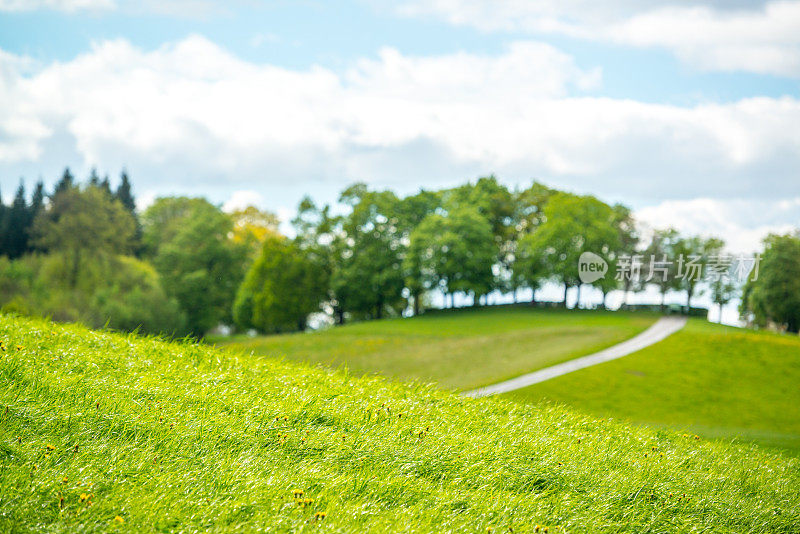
x,y
716,381
114,433
461,349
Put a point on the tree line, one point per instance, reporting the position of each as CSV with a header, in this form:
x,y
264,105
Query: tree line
x,y
82,252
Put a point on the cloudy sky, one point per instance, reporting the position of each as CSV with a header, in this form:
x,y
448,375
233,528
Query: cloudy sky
x,y
688,111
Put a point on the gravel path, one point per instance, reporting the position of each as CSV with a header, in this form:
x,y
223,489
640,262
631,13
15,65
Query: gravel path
x,y
664,327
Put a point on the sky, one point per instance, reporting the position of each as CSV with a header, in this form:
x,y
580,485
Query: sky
x,y
687,111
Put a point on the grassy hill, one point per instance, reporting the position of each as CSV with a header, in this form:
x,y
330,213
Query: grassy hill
x,y
708,379
112,433
462,349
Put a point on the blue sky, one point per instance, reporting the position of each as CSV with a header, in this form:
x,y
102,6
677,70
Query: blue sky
x,y
301,34
689,112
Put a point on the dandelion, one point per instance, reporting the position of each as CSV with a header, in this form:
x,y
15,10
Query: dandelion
x,y
64,480
118,519
84,497
319,516
297,493
50,447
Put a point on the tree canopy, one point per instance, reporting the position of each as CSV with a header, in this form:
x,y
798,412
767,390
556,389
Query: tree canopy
x,y
189,242
283,286
773,296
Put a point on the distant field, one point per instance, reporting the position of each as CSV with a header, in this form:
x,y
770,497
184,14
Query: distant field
x,y
716,381
457,349
116,433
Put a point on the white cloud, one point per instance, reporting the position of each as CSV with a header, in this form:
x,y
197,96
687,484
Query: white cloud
x,y
192,115
242,199
757,36
742,223
58,5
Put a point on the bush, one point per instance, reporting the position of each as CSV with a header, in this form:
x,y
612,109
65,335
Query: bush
x,y
120,292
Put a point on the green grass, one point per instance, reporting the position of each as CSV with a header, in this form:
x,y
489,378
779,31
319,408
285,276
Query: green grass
x,y
185,438
456,349
716,381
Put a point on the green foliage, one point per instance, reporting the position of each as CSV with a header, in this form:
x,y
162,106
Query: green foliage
x,y
189,242
571,225
465,348
525,267
118,291
284,285
775,295
367,276
712,380
662,269
84,223
16,226
124,193
66,183
699,250
251,227
180,437
131,297
453,252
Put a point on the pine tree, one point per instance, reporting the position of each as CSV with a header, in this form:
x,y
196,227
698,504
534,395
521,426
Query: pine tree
x,y
105,185
94,179
37,200
17,225
3,226
66,183
36,207
124,193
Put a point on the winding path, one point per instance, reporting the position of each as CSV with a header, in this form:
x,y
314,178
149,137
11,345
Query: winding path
x,y
664,327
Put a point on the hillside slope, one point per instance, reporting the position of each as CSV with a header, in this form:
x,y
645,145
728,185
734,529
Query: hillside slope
x,y
102,432
708,379
463,348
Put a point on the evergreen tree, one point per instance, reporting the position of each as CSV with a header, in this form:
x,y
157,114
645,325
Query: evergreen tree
x,y
37,200
125,196
17,225
105,185
94,179
36,207
3,226
124,193
66,183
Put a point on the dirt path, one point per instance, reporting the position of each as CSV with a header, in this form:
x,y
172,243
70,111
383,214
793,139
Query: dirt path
x,y
661,329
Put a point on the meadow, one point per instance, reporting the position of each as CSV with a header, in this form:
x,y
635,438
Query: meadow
x,y
104,432
713,380
462,348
